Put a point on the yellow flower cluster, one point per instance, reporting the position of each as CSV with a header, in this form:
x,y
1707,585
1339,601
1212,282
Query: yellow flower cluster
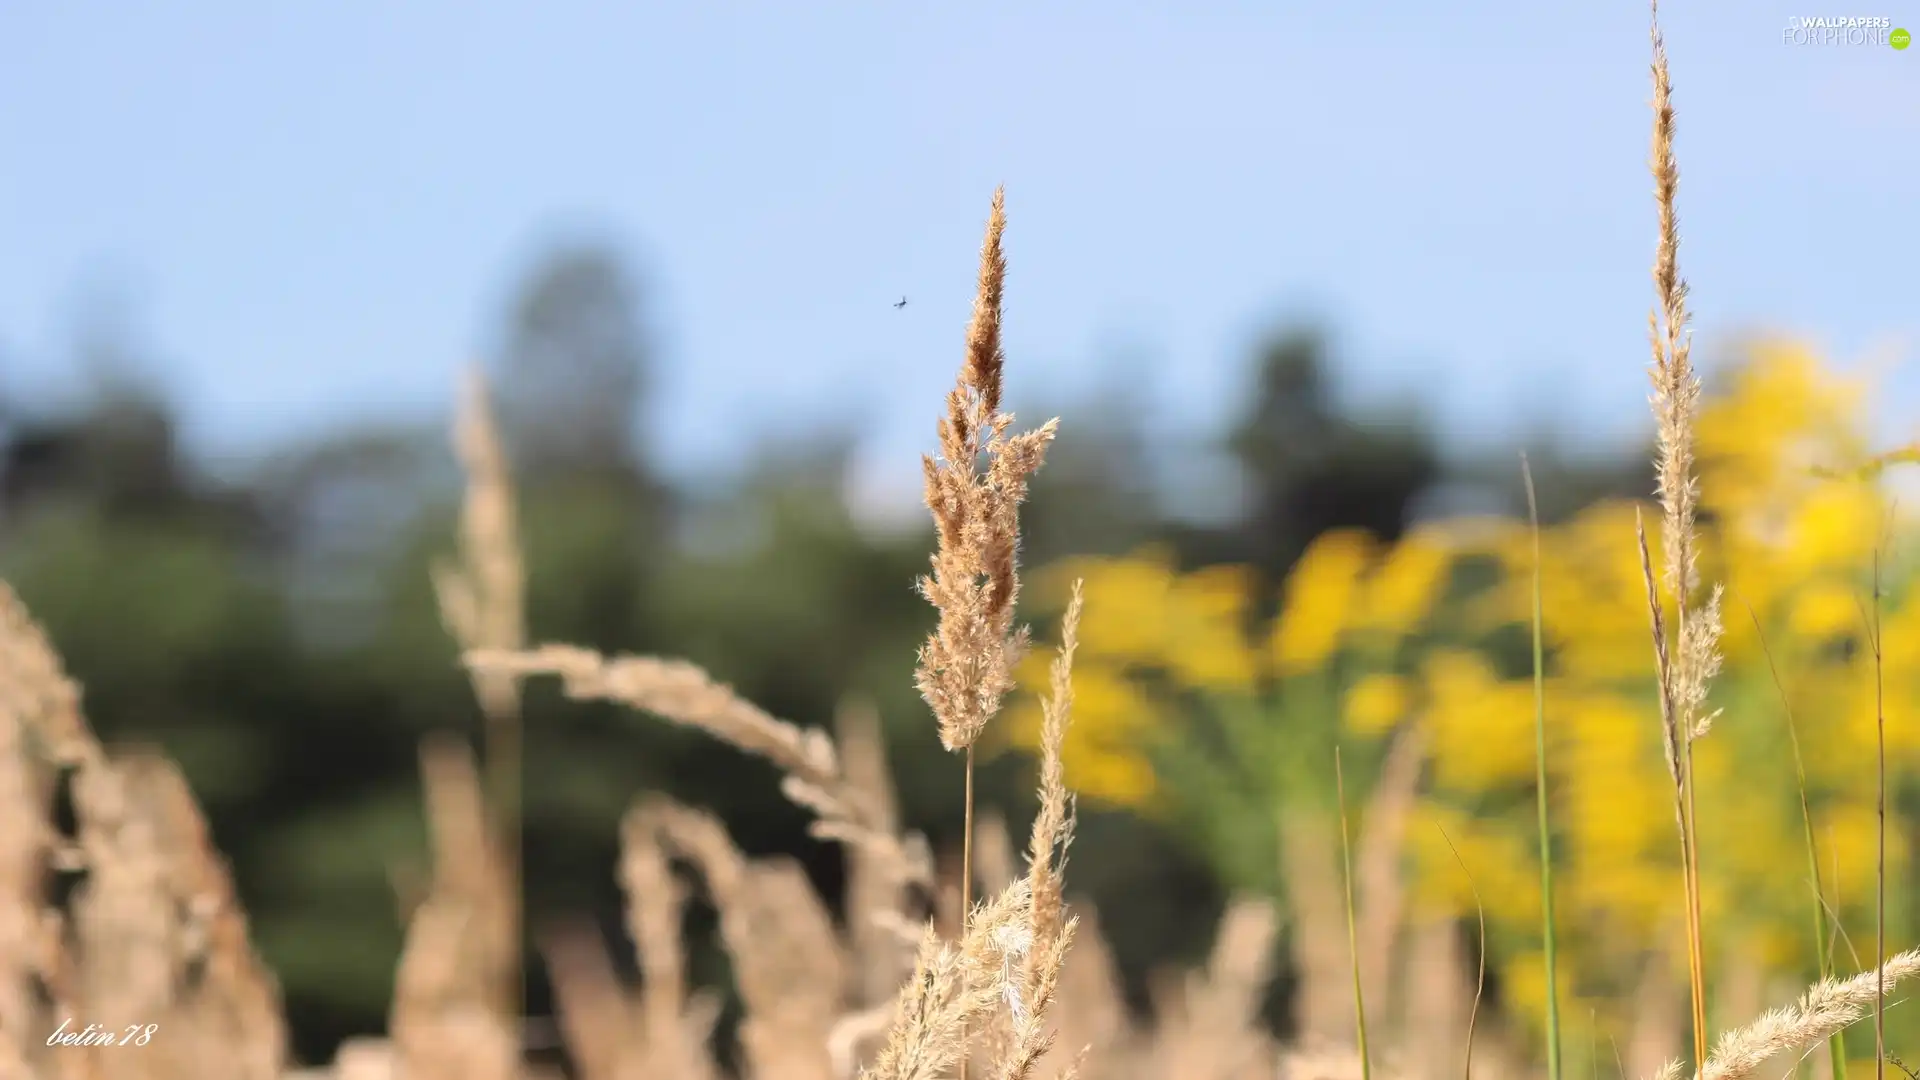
x,y
1792,538
1791,526
1139,617
1149,634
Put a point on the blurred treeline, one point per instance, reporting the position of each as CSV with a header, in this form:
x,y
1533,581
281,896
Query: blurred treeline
x,y
276,631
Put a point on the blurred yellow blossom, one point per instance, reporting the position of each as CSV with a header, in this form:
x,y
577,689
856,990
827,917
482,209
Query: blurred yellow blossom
x,y
1791,534
1104,752
1319,600
1207,642
1481,728
1783,416
1376,703
1824,609
1151,636
1401,592
1791,521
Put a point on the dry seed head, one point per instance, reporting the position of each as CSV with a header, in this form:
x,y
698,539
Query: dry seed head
x,y
675,691
450,1014
481,594
682,693
985,359
1014,941
966,666
1662,657
1690,654
1053,826
1700,653
1828,1006
1676,388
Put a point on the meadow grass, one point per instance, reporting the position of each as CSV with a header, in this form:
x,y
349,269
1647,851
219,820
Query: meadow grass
x,y
1548,934
1017,984
1822,930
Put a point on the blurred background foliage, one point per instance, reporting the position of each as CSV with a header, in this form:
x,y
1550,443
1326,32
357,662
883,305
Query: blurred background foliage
x,y
1220,724
274,629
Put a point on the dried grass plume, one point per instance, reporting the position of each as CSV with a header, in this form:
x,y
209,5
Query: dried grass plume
x,y
966,666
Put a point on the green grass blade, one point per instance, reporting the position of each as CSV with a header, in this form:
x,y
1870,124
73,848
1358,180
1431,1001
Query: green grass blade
x,y
1540,787
1480,978
1353,933
1836,1046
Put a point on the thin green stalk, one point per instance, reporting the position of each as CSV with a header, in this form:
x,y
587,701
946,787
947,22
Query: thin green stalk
x,y
1836,1046
1840,936
1480,977
1696,936
1593,1044
1540,785
1676,729
1880,863
1353,933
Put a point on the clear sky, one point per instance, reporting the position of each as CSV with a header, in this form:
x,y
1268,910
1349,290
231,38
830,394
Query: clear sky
x,y
317,209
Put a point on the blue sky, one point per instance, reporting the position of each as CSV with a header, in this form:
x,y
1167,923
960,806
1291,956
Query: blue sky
x,y
316,210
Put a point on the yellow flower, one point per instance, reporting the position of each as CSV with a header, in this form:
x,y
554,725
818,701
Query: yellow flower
x,y
1900,637
1142,619
1524,986
1140,612
1615,791
1850,846
1376,703
1825,609
1593,592
1783,536
1402,591
1125,615
1319,600
1501,866
1782,415
1834,527
1207,646
1105,752
1481,728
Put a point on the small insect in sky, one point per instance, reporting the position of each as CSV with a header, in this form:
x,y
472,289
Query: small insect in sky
x,y
902,303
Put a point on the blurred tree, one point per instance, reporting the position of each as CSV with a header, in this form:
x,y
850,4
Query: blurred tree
x,y
1309,467
572,385
118,451
1566,480
573,373
1096,494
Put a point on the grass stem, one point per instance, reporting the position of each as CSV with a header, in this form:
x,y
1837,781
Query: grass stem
x,y
1480,975
1540,785
1353,933
1823,955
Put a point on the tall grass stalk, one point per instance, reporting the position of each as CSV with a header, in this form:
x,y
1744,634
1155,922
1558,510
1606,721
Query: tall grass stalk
x,y
967,828
1836,1046
1593,1044
1696,943
966,667
1540,785
1480,973
1688,657
481,595
1353,932
1880,853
